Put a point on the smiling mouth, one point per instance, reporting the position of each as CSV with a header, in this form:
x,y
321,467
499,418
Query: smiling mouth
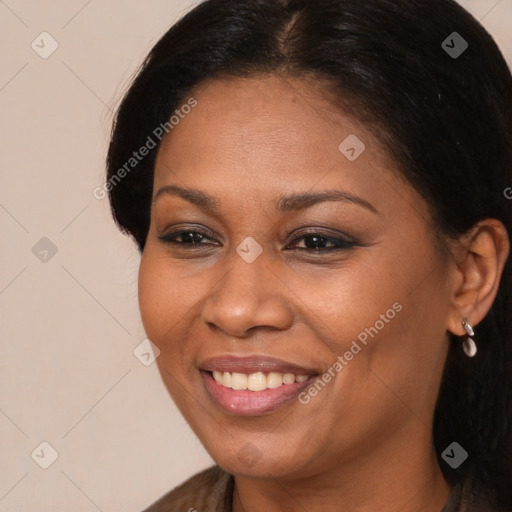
x,y
254,385
254,402
256,381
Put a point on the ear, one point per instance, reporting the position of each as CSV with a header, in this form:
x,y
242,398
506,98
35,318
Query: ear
x,y
480,257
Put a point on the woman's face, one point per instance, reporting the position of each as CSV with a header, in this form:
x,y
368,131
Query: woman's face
x,y
299,255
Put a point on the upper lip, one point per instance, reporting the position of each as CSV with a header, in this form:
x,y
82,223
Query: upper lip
x,y
253,364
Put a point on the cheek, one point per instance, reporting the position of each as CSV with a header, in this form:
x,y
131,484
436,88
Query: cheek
x,y
346,300
149,306
163,308
380,304
161,301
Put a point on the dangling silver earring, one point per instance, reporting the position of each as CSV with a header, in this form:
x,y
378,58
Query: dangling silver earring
x,y
468,344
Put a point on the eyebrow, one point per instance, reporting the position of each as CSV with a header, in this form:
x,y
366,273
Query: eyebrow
x,y
289,203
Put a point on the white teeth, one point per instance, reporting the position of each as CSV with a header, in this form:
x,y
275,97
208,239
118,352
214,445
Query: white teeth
x,y
226,379
288,378
256,381
274,380
239,381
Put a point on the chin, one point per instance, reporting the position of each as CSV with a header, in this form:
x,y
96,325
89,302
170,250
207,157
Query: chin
x,y
244,457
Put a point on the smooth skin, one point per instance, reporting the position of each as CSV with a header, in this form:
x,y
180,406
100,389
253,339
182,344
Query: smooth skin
x,y
364,443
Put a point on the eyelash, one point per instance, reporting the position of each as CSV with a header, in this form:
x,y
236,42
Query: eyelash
x,y
340,243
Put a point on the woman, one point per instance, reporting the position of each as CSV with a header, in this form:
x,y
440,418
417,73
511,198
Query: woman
x,y
318,193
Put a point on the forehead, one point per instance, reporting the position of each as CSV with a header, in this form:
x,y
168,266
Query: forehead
x,y
283,110
268,134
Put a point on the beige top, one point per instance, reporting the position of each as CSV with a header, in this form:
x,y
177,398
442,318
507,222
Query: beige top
x,y
212,491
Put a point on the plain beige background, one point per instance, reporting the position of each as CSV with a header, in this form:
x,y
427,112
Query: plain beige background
x,y
69,320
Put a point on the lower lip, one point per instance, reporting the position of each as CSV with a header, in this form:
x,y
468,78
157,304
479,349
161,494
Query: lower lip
x,y
252,403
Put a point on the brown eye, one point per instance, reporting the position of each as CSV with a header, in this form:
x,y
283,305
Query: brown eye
x,y
320,242
189,237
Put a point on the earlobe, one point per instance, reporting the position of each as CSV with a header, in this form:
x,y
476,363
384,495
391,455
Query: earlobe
x,y
482,254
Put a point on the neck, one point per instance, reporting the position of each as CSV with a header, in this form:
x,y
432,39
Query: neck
x,y
401,476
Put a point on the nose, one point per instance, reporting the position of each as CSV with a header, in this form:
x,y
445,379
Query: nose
x,y
248,297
